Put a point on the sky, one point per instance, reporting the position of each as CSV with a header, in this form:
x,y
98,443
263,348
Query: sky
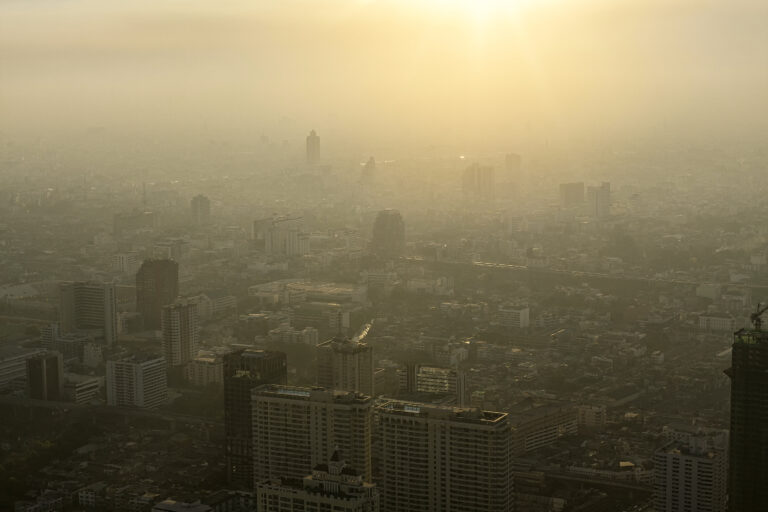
x,y
399,72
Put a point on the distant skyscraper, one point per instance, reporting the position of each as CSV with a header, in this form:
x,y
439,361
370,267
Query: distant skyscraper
x,y
388,239
157,285
45,376
137,381
599,200
284,237
181,332
331,486
442,458
691,475
89,307
243,371
748,473
313,148
369,169
294,429
479,183
345,364
201,210
571,194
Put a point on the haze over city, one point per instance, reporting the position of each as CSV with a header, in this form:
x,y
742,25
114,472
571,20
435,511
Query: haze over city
x,y
383,256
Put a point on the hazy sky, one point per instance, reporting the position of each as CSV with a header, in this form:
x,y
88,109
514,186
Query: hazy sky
x,y
416,71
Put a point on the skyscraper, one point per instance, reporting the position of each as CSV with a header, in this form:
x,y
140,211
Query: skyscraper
x,y
137,381
91,308
691,475
442,458
388,239
45,376
748,453
201,210
181,332
571,194
313,148
479,183
599,200
243,371
346,364
157,285
295,428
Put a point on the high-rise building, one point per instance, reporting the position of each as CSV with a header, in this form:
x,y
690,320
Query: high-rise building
x,y
157,285
691,475
345,364
243,371
748,453
571,194
181,332
45,376
201,210
313,148
294,429
452,382
599,200
331,486
442,458
137,381
479,183
388,239
90,308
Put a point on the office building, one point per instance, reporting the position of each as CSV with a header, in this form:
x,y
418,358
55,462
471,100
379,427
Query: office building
x,y
157,285
181,332
443,458
537,425
81,389
204,371
125,262
137,381
388,240
282,236
748,453
691,476
243,371
295,429
516,317
479,183
89,308
313,148
345,364
452,382
331,486
201,210
571,194
45,376
13,366
599,201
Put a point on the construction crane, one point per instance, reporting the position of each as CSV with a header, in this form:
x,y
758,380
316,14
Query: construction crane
x,y
756,317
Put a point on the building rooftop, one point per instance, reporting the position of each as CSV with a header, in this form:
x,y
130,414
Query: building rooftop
x,y
464,415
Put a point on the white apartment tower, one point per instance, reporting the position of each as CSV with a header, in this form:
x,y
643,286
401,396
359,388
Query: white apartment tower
x,y
295,429
181,332
345,364
137,382
442,458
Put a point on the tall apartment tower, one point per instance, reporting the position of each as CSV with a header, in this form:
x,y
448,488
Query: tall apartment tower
x,y
479,183
388,240
294,429
331,486
157,285
89,307
181,332
45,376
243,371
599,200
345,364
201,210
748,453
442,458
691,475
313,148
137,381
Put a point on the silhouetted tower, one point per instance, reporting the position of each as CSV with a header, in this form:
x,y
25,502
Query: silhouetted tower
x,y
157,285
748,471
388,234
243,371
201,210
313,148
45,376
369,169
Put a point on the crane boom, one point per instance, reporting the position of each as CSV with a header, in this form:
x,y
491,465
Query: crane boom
x,y
756,317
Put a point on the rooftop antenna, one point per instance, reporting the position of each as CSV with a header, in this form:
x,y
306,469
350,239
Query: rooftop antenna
x,y
756,317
